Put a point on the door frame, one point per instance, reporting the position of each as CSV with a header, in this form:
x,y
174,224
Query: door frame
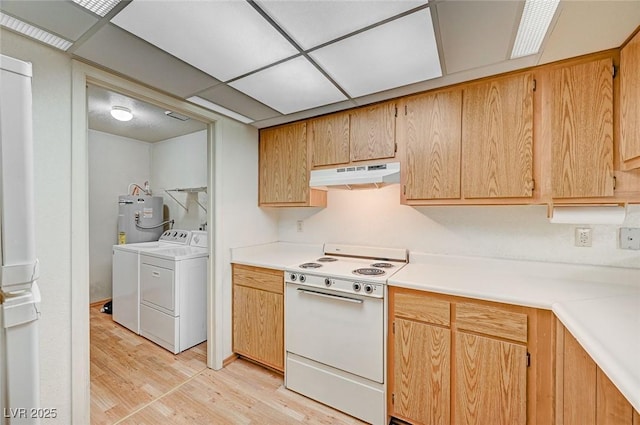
x,y
81,75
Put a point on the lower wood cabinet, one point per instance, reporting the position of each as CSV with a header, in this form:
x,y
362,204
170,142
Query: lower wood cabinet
x,y
459,361
585,395
258,315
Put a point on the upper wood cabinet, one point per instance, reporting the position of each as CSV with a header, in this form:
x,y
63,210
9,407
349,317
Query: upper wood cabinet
x,y
329,140
284,171
373,132
581,116
497,138
429,131
630,104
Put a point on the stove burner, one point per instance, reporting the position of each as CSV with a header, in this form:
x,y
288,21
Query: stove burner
x,y
327,259
310,265
382,265
368,271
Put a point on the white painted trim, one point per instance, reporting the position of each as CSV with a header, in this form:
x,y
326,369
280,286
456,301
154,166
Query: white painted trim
x,y
81,75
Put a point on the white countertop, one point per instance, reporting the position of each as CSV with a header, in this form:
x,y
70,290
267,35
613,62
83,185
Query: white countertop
x,y
276,255
600,306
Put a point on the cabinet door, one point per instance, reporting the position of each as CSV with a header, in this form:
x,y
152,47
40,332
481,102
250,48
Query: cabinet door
x,y
611,406
491,384
373,132
421,372
430,136
579,384
497,138
258,323
284,176
582,130
329,140
630,101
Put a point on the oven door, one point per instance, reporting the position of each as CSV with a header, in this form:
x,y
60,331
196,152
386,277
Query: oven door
x,y
344,331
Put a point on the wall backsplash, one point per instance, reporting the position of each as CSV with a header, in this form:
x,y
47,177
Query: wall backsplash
x,y
375,217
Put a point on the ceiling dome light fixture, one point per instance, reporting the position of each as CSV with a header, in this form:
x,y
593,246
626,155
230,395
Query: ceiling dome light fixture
x,y
121,113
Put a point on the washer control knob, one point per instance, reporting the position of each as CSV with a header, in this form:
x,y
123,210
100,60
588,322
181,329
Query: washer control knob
x,y
327,281
293,277
368,289
302,278
357,286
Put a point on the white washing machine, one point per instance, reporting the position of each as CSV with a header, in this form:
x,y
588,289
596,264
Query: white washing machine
x,y
173,294
126,275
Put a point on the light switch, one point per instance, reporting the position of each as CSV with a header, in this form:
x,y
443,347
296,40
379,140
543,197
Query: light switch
x,y
629,238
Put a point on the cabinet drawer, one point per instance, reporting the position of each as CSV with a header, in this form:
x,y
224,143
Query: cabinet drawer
x,y
421,307
259,278
492,321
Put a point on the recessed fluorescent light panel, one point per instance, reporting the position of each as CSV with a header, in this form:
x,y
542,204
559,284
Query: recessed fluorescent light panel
x,y
292,86
312,23
99,7
225,39
219,109
400,52
535,21
33,32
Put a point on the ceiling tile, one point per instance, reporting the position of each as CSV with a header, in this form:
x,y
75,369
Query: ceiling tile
x,y
225,39
239,102
62,18
477,33
311,23
291,86
398,53
120,51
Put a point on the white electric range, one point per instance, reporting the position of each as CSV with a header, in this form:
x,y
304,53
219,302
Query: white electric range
x,y
335,328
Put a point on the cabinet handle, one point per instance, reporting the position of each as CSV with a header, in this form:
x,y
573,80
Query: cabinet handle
x,y
155,274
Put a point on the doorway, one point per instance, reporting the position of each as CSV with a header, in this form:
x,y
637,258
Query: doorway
x,y
82,76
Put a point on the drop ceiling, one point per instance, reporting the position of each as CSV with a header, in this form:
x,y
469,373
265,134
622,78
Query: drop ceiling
x,y
275,61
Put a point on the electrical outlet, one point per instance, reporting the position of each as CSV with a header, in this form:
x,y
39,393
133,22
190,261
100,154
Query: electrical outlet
x,y
300,225
629,238
583,236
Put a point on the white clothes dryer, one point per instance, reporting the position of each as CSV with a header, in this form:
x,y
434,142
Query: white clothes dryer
x,y
173,294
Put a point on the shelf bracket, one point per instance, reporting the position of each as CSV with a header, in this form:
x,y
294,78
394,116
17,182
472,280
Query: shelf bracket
x,y
195,190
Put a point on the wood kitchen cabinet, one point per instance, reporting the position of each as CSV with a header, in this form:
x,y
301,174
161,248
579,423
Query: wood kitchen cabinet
x,y
497,138
429,134
585,395
258,315
630,104
579,109
329,140
372,132
284,170
460,361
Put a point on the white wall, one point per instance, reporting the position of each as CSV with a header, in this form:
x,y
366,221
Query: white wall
x,y
181,162
243,222
375,217
114,163
52,160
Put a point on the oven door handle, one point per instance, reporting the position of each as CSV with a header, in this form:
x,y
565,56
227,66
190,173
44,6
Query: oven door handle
x,y
333,297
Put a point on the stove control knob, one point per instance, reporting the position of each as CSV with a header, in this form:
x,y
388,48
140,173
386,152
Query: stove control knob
x,y
357,286
302,278
293,277
368,289
327,281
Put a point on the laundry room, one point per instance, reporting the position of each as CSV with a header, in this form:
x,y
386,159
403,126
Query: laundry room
x,y
155,154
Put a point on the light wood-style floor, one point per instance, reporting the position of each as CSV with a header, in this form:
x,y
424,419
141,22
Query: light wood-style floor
x,y
135,382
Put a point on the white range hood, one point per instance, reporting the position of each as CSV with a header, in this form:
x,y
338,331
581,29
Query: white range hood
x,y
356,176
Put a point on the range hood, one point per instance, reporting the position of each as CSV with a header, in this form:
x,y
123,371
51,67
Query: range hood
x,y
356,176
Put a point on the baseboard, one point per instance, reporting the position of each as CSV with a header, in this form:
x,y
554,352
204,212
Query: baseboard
x,y
232,358
99,303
